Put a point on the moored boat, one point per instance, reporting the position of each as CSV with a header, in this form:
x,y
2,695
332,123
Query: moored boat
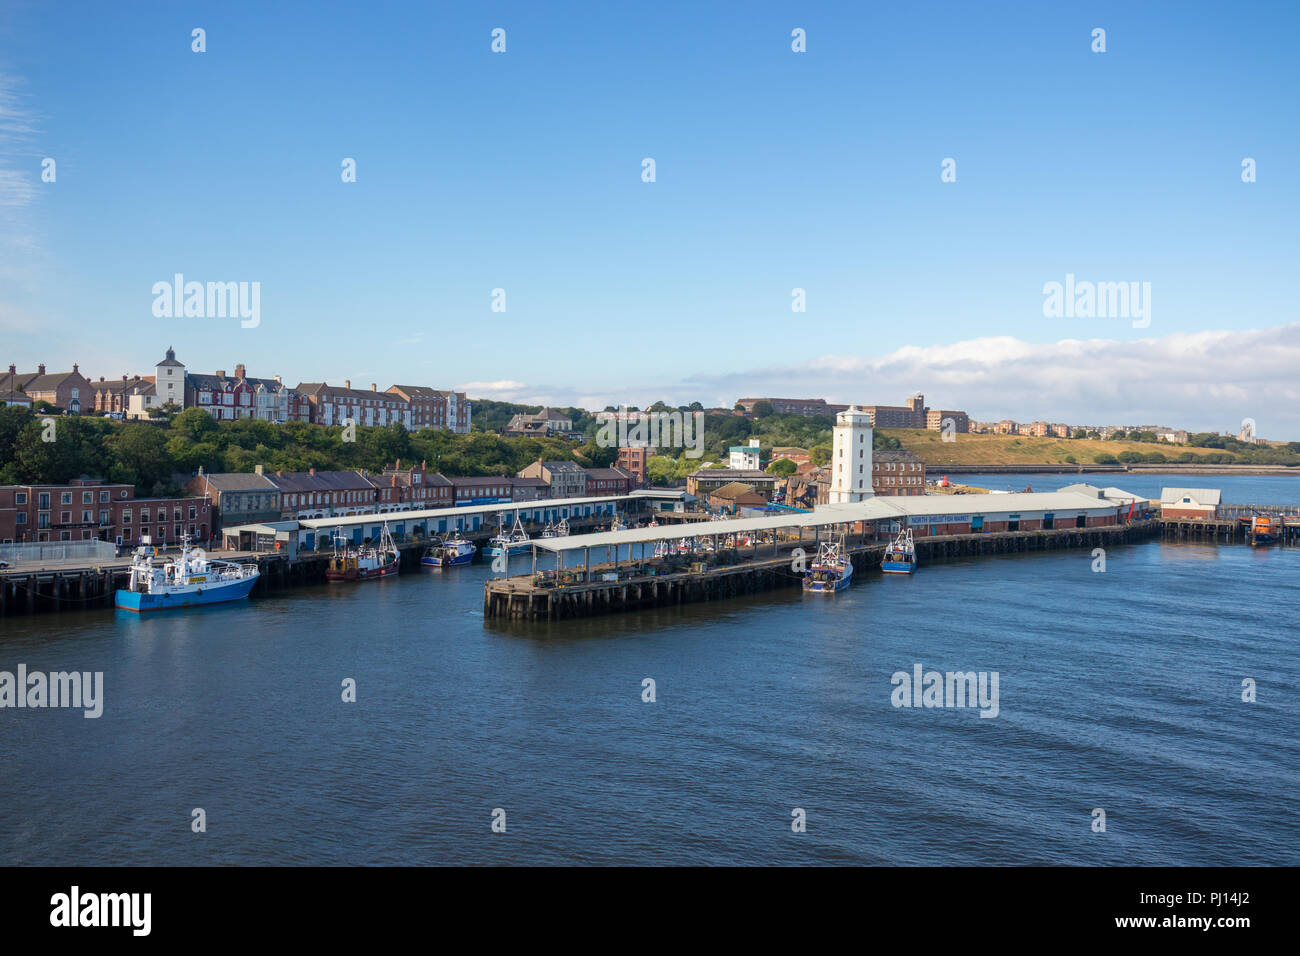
x,y
516,541
830,571
900,557
1262,531
365,563
189,580
447,553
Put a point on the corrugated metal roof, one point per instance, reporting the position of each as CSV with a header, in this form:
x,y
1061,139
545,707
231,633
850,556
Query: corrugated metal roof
x,y
881,507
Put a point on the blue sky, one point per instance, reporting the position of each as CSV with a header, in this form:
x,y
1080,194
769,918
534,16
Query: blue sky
x,y
775,170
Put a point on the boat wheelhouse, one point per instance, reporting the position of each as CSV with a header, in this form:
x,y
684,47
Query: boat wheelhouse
x,y
516,541
831,571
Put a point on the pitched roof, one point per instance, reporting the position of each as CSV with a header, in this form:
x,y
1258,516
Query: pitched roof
x,y
305,481
733,490
238,481
1202,496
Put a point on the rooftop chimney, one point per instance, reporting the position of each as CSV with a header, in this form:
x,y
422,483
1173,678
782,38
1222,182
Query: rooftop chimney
x,y
74,367
277,379
312,471
13,369
221,373
258,469
347,383
40,369
239,370
374,387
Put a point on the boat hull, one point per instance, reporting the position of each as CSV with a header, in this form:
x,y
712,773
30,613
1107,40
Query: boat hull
x,y
495,551
216,594
897,567
444,560
829,586
363,574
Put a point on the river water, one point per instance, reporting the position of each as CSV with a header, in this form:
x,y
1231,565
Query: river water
x,y
1236,489
1119,690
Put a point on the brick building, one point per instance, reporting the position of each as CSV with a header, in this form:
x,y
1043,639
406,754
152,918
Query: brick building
x,y
69,391
602,482
808,407
488,490
237,498
897,472
566,479
335,405
87,509
635,462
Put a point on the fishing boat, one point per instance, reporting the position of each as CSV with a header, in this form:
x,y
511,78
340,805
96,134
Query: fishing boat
x,y
830,571
515,542
186,581
560,530
900,557
364,563
447,553
1262,531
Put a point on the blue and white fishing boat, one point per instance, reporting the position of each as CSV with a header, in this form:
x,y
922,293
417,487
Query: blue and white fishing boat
x,y
516,542
446,554
830,571
900,557
189,580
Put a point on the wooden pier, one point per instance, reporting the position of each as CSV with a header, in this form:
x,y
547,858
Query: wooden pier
x,y
656,584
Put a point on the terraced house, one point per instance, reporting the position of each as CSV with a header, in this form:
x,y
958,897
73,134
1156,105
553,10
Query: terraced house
x,y
335,405
69,391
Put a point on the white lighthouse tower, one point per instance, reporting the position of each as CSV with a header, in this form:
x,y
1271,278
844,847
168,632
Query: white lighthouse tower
x,y
851,457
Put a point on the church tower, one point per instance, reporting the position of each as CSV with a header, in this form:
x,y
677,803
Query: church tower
x,y
851,457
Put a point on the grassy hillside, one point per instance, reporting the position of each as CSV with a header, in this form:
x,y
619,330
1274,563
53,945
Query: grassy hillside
x,y
1024,450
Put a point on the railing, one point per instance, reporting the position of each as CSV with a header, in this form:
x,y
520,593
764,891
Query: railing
x,y
1245,511
34,551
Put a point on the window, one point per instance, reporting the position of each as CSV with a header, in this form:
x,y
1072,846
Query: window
x,y
86,518
193,512
126,516
103,497
87,497
20,498
65,517
43,519
103,517
65,498
20,517
144,515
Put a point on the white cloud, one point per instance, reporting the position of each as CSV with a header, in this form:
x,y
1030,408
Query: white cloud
x,y
1202,381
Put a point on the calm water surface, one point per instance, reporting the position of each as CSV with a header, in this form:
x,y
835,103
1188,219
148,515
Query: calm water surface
x,y
1237,489
1119,690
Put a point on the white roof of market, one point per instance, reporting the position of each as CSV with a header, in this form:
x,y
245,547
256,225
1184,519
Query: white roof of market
x,y
881,507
